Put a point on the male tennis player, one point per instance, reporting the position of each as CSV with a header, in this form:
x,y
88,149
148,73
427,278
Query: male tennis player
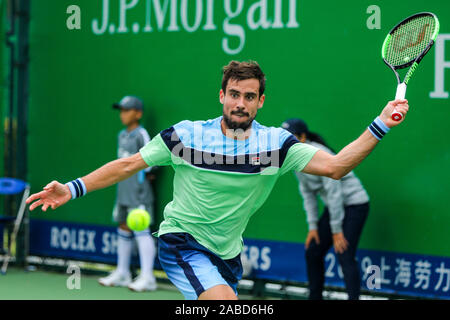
x,y
225,169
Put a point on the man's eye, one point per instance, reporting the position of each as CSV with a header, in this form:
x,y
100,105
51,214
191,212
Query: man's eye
x,y
250,98
234,95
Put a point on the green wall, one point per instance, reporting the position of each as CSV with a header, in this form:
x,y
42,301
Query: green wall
x,y
3,85
322,64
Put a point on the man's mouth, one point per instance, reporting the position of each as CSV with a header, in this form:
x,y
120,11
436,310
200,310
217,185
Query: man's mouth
x,y
238,114
242,120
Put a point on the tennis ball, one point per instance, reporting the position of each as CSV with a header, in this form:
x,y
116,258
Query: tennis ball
x,y
138,219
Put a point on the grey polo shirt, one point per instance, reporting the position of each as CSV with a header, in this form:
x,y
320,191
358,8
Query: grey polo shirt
x,y
335,194
135,190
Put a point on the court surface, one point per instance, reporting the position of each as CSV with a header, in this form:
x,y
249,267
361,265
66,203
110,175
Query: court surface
x,y
45,285
18,284
42,284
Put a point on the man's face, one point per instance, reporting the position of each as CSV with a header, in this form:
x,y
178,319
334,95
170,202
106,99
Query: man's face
x,y
129,116
241,103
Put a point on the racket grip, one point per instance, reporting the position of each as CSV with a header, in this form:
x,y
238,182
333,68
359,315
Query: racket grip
x,y
400,94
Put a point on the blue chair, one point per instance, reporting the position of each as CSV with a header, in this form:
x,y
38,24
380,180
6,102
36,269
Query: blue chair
x,y
12,186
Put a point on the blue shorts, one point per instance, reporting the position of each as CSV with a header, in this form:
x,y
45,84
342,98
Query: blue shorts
x,y
192,268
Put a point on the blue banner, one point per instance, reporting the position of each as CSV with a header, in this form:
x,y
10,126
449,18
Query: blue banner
x,y
83,242
386,272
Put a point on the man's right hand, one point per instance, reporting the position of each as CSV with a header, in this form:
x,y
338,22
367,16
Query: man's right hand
x,y
312,235
54,195
398,105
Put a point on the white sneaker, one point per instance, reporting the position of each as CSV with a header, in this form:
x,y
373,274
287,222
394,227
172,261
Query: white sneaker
x,y
143,283
116,279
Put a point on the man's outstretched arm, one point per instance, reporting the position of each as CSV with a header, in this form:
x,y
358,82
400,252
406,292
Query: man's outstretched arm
x,y
337,166
56,194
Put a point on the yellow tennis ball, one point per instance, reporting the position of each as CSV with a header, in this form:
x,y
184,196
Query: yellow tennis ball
x,y
138,219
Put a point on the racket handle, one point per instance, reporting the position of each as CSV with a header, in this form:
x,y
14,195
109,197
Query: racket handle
x,y
400,94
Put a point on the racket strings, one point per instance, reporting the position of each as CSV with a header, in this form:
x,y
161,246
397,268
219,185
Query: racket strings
x,y
409,40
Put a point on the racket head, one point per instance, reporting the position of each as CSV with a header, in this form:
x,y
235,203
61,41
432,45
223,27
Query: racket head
x,y
410,40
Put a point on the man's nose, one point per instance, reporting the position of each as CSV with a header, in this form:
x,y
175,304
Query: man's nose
x,y
240,106
241,101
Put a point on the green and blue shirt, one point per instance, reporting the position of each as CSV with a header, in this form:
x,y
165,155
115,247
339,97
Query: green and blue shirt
x,y
220,182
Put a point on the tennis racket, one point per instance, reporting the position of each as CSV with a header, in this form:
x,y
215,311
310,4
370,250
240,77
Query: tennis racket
x,y
406,45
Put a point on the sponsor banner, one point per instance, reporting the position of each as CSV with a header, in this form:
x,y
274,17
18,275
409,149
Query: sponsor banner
x,y
384,272
84,242
232,19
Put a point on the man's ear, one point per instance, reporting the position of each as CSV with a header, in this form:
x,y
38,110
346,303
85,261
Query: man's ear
x,y
303,137
261,101
221,96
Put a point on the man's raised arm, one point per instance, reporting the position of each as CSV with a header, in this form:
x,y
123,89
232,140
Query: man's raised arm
x,y
337,166
56,194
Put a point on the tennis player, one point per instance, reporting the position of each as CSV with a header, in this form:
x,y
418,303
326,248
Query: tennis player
x,y
225,168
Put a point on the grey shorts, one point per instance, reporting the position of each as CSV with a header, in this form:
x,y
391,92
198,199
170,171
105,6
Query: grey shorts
x,y
120,212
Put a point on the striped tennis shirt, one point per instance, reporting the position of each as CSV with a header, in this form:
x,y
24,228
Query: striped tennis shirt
x,y
219,182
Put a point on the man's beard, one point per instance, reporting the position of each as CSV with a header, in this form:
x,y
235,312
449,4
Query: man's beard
x,y
233,125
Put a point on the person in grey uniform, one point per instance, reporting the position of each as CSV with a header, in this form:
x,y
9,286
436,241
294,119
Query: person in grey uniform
x,y
345,213
134,192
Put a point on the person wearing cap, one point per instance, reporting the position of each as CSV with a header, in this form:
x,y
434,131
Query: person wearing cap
x,y
134,192
341,223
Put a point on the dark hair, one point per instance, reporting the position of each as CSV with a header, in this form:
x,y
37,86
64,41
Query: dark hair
x,y
242,71
312,136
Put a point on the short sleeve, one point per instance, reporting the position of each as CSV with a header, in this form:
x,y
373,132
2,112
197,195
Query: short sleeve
x,y
156,153
298,156
143,137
